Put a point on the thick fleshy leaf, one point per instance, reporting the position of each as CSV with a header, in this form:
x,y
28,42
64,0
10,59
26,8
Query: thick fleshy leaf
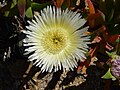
x,y
107,7
112,38
91,7
95,20
29,13
38,6
22,7
13,11
10,8
58,3
108,75
14,3
73,3
116,16
66,4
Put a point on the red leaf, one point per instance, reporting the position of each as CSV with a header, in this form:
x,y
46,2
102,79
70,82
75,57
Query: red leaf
x,y
58,3
95,19
90,5
22,7
112,39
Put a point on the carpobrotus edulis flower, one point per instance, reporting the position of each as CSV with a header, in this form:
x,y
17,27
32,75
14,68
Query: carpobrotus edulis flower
x,y
55,39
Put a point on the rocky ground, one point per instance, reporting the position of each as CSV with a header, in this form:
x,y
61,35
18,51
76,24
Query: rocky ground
x,y
21,75
53,82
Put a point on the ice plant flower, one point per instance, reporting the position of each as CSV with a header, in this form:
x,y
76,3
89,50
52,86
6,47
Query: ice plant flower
x,y
115,64
115,68
55,40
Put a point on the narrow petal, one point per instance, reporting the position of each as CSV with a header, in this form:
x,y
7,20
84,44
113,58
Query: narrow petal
x,y
55,39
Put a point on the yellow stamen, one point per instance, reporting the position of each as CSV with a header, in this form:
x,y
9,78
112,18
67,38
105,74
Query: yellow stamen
x,y
55,41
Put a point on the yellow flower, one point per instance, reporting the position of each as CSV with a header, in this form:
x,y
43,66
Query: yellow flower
x,y
55,41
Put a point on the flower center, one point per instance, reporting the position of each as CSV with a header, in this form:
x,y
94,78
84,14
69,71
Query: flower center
x,y
54,41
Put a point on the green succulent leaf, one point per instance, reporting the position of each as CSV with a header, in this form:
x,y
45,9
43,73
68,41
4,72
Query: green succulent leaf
x,y
107,7
38,6
66,4
117,11
108,75
29,13
14,3
10,9
13,11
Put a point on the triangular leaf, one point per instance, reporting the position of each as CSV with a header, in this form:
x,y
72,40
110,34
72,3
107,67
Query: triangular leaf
x,y
14,3
108,75
29,13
